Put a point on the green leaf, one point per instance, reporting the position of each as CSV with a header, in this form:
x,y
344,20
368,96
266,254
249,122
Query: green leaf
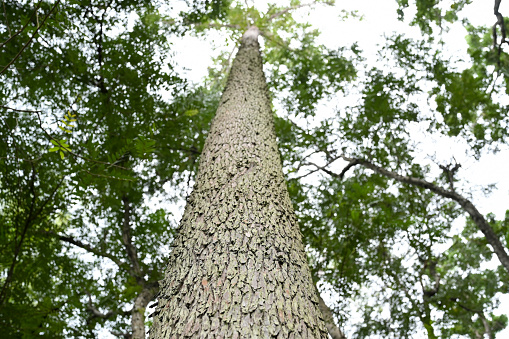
x,y
54,149
191,112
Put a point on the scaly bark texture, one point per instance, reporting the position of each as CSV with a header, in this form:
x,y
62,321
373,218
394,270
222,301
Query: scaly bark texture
x,y
238,268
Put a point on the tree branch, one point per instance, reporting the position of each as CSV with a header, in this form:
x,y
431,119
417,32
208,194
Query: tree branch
x,y
127,241
17,250
291,8
87,247
481,223
31,38
22,28
466,204
20,110
334,331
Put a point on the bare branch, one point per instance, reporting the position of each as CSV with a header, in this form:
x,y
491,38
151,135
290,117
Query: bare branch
x,y
323,168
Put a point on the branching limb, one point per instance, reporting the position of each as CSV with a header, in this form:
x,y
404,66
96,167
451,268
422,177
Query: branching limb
x,y
95,312
98,314
500,23
466,204
450,172
322,168
480,313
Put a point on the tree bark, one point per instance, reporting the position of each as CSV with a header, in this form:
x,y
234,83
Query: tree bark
x,y
334,331
138,313
238,268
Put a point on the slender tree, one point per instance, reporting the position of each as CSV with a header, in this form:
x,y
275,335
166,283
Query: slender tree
x,y
238,266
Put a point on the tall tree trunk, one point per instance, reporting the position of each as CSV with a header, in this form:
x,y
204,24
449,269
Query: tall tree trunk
x,y
238,268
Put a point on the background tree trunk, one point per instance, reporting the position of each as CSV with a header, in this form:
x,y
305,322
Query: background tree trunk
x,y
238,266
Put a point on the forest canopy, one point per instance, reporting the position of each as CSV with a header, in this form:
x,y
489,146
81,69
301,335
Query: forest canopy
x,y
101,135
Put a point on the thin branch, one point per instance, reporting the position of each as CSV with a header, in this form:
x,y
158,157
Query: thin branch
x,y
31,38
95,312
322,168
291,8
20,110
17,250
217,25
271,37
85,246
22,28
6,20
74,154
98,314
487,328
306,174
466,204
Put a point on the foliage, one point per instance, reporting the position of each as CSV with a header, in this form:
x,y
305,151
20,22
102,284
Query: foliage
x,y
98,133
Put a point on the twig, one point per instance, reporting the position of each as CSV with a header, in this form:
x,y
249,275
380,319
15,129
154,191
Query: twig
x,y
22,28
20,110
31,38
6,20
85,246
291,8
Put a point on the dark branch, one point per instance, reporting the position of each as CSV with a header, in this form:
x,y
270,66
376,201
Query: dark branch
x,y
127,241
31,38
85,246
466,204
20,110
22,28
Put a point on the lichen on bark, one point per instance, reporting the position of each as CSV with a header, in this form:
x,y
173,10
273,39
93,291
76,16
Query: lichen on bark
x,y
237,268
